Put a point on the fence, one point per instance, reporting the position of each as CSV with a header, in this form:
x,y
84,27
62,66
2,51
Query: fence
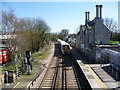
x,y
31,83
18,72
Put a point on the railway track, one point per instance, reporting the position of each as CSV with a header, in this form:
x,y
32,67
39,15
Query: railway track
x,y
50,77
70,79
70,76
59,76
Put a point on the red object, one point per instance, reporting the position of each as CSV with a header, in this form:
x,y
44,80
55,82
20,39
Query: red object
x,y
12,49
3,56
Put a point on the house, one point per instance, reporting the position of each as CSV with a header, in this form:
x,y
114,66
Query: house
x,y
71,39
93,33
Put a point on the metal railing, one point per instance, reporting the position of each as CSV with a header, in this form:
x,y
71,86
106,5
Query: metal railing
x,y
18,73
116,67
31,83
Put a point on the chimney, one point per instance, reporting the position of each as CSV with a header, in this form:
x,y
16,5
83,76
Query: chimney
x,y
97,11
100,11
88,16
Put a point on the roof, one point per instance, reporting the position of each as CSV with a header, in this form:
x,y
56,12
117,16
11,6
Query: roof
x,y
62,42
7,36
1,45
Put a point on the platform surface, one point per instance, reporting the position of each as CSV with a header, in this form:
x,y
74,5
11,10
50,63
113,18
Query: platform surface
x,y
95,74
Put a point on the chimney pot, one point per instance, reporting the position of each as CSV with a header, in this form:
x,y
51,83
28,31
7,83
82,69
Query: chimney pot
x,y
100,10
88,16
97,11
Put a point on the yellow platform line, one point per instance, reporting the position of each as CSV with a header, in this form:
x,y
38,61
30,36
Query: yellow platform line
x,y
16,85
93,73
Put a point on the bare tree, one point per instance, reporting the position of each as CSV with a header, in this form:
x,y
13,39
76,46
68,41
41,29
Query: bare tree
x,y
31,33
111,24
64,33
8,25
8,21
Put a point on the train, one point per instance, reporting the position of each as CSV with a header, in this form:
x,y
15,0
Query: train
x,y
65,47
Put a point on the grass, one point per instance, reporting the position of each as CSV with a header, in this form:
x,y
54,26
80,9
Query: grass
x,y
42,54
38,56
114,42
36,66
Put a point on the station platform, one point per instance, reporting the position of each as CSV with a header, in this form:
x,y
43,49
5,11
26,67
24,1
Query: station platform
x,y
95,74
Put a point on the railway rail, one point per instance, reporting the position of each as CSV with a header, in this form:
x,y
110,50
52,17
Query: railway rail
x,y
63,72
59,75
50,77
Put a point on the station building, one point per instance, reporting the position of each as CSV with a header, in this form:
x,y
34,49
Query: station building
x,y
94,36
